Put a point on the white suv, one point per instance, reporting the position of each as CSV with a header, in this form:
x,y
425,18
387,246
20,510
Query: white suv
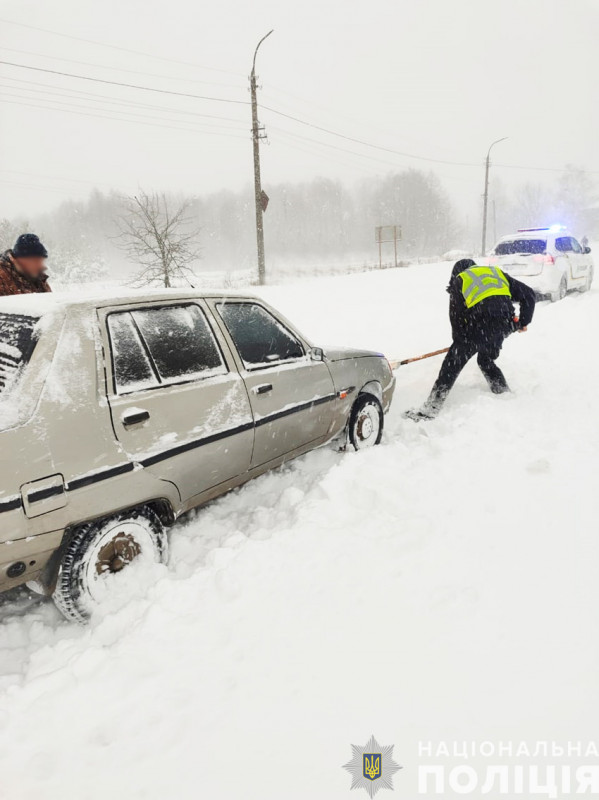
x,y
549,260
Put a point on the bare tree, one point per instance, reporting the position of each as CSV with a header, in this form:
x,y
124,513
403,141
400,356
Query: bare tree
x,y
157,233
532,204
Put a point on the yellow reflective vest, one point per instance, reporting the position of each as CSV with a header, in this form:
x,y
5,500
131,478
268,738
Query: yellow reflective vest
x,y
478,283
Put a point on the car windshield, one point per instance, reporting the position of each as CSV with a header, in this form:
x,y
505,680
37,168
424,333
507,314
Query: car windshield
x,y
521,247
17,341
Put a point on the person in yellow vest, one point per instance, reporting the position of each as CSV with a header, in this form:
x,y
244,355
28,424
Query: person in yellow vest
x,y
482,315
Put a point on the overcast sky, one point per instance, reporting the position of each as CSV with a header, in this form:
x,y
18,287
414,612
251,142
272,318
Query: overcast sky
x,y
438,79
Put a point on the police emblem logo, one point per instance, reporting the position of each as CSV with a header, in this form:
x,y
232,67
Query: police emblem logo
x,y
372,767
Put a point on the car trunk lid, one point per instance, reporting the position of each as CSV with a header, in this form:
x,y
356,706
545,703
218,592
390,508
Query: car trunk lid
x,y
521,256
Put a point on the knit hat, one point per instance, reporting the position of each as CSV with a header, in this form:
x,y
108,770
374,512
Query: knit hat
x,y
28,244
461,265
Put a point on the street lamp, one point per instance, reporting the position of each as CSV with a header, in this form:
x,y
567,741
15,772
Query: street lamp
x,y
259,197
486,194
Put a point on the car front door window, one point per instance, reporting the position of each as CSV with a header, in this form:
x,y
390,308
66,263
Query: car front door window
x,y
575,246
259,337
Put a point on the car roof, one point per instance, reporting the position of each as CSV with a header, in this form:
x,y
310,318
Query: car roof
x,y
36,305
536,233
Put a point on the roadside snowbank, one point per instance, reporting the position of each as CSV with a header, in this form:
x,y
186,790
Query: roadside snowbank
x,y
440,586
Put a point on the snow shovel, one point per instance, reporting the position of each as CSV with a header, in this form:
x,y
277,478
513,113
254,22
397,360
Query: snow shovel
x,y
396,364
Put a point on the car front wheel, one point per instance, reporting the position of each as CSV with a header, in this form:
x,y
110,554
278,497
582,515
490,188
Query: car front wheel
x,y
366,422
97,559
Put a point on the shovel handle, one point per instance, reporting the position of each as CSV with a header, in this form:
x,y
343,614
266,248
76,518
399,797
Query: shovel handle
x,y
396,364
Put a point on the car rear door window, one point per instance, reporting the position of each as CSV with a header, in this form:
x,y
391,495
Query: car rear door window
x,y
180,342
258,336
563,244
131,365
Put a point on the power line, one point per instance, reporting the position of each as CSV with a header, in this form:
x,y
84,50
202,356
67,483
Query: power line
x,y
57,105
119,69
312,151
52,177
409,155
37,187
126,85
90,97
335,147
365,143
240,102
122,119
116,47
298,120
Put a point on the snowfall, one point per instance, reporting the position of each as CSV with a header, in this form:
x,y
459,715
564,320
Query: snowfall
x,y
441,587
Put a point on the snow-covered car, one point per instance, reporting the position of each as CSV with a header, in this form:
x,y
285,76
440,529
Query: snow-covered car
x,y
549,260
117,415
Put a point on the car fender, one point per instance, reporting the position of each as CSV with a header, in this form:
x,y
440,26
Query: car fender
x,y
48,577
375,388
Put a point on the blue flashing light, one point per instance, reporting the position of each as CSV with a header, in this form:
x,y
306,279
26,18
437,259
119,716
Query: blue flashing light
x,y
556,228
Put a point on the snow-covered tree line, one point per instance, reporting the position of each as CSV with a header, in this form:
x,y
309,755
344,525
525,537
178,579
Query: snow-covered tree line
x,y
320,220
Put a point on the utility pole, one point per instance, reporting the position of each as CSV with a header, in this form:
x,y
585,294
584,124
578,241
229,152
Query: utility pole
x,y
260,198
494,220
486,194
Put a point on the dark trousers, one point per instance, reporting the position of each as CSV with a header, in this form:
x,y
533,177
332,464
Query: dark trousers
x,y
456,359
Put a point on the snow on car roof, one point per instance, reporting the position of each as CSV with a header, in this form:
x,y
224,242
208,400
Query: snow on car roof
x,y
29,305
536,233
37,305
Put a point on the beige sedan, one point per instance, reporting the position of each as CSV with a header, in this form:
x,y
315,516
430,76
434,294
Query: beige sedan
x,y
119,414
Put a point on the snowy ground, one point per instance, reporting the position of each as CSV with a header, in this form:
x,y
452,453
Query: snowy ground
x,y
440,587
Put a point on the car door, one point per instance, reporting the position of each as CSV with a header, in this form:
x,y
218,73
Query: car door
x,y
564,246
580,261
179,407
291,393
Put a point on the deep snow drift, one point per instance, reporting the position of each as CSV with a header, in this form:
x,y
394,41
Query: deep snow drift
x,y
441,586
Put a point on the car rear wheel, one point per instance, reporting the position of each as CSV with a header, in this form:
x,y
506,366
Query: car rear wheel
x,y
97,558
562,290
366,422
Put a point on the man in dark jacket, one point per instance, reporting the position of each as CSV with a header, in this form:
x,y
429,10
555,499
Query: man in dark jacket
x,y
482,315
23,269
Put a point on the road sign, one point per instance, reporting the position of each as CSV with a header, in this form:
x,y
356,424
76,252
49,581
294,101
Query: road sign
x,y
384,234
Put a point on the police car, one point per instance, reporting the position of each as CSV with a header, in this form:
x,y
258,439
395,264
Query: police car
x,y
549,260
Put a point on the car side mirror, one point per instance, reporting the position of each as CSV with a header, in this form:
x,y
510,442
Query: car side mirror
x,y
586,251
317,354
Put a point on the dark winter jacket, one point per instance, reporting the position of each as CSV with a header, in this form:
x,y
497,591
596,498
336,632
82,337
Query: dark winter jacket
x,y
14,282
492,316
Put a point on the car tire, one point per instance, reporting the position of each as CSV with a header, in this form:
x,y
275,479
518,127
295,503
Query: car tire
x,y
562,290
104,546
589,281
366,422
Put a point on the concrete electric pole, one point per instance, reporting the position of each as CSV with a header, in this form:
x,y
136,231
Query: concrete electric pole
x,y
486,195
260,197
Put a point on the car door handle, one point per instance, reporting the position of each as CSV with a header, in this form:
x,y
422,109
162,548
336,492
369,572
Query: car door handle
x,y
134,417
263,388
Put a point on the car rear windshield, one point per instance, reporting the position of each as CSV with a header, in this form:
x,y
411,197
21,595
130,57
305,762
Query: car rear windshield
x,y
521,247
17,341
